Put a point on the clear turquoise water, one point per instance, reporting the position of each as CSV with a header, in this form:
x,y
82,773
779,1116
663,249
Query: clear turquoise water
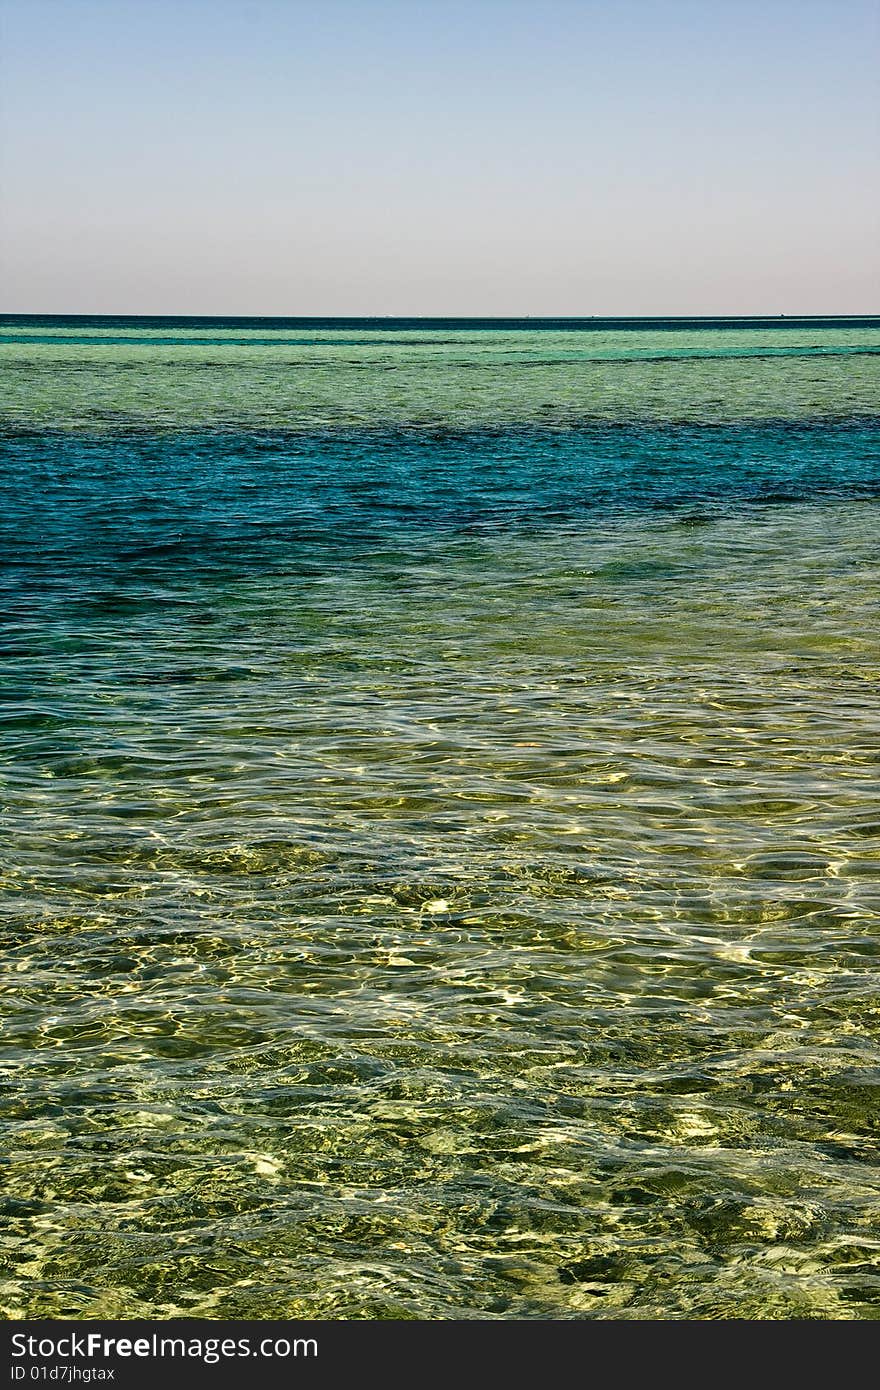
x,y
440,819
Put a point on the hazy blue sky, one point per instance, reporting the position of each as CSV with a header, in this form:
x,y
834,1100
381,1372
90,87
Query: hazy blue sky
x,y
440,156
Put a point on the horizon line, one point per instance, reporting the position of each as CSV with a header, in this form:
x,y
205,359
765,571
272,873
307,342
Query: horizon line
x,y
448,318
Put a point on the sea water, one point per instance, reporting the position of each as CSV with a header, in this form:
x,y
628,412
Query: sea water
x,y
440,818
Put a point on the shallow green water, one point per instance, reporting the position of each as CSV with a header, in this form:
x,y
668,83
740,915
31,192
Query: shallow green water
x,y
440,818
446,377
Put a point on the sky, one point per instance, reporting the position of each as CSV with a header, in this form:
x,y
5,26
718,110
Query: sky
x,y
445,157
